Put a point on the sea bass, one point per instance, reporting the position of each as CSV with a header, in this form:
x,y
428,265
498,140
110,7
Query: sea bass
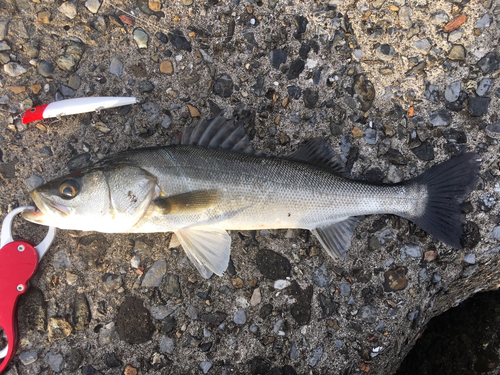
x,y
213,181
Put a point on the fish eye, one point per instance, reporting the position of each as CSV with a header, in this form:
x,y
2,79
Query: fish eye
x,y
69,189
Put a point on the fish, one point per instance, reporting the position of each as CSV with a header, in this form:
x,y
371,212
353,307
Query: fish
x,y
211,180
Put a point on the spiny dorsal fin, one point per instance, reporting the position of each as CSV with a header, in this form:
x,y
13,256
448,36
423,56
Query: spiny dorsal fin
x,y
217,133
191,202
318,152
336,237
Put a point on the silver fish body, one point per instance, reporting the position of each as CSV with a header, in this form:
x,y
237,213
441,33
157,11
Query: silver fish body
x,y
213,181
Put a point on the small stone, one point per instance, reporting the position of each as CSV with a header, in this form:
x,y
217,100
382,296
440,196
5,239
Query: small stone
x,y
129,370
432,93
74,81
155,274
240,317
316,356
90,370
440,117
205,366
58,329
146,86
423,45
67,91
405,15
345,290
486,203
93,5
273,265
116,67
424,152
173,286
54,361
179,41
457,52
410,250
455,36
365,91
167,345
223,86
371,136
296,67
369,314
478,106
43,17
256,297
111,282
412,315
483,22
27,358
193,111
455,23
4,26
14,69
141,38
111,360
310,98
81,312
68,9
489,63
161,312
470,258
191,312
385,52
167,121
439,17
452,92
277,58
484,87
33,182
166,67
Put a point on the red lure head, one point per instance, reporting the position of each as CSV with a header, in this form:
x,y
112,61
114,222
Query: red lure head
x,y
34,114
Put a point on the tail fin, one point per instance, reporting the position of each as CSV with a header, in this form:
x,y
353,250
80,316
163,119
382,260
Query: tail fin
x,y
448,184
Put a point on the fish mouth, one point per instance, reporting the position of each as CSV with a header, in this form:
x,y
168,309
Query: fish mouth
x,y
44,206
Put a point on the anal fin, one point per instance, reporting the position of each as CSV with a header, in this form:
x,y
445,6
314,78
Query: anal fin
x,y
336,237
207,248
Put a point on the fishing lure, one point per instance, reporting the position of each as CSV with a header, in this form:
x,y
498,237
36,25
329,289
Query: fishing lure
x,y
74,106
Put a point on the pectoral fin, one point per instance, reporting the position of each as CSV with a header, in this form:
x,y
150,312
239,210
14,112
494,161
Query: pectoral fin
x,y
207,248
191,202
336,237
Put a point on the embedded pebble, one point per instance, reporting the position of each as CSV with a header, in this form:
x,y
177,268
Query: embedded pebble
x,y
240,317
484,87
455,36
457,52
116,67
27,358
68,9
167,345
61,259
93,5
478,106
489,62
54,361
179,41
345,290
161,312
155,274
141,38
205,366
423,45
470,258
281,284
223,86
14,69
410,250
452,91
4,26
316,356
440,117
496,233
256,297
369,314
483,22
192,312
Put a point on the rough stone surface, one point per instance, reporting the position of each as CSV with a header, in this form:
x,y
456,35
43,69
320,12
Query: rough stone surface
x,y
377,80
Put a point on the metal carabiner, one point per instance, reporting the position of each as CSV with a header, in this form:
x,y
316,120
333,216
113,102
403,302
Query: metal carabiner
x,y
18,263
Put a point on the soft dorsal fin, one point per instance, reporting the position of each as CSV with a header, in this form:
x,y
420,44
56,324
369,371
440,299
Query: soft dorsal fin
x,y
317,152
207,248
217,133
336,237
190,202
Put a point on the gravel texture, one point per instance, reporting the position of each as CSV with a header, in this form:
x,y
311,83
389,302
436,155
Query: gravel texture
x,y
394,87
